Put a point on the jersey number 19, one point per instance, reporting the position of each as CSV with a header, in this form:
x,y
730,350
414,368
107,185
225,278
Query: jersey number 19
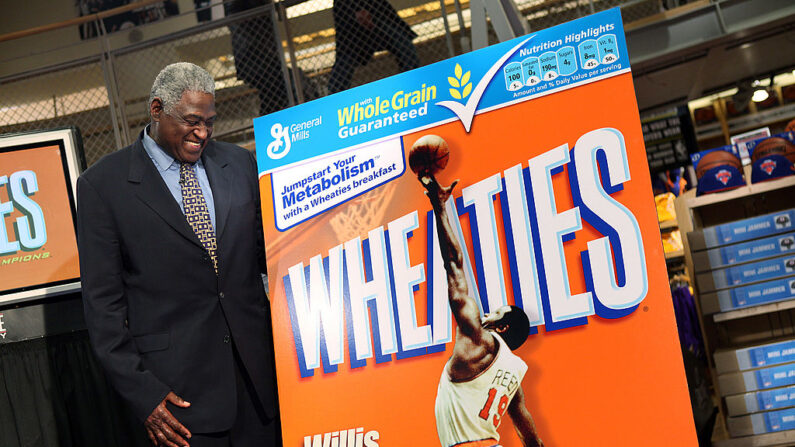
x,y
501,407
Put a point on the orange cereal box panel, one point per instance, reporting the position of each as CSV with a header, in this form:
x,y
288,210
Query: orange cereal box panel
x,y
552,212
38,246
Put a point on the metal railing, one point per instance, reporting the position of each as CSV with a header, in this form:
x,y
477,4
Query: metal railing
x,y
264,57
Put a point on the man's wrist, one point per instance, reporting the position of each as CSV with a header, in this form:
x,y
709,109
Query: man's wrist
x,y
153,405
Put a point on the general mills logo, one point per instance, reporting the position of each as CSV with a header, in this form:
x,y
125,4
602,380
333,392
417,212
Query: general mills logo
x,y
280,146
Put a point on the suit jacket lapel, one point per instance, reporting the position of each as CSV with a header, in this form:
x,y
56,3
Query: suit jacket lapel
x,y
152,191
217,173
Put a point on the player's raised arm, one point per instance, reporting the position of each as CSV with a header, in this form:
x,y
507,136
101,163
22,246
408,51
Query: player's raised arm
x,y
429,155
465,311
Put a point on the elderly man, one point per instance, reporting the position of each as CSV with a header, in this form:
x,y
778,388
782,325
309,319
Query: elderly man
x,y
171,258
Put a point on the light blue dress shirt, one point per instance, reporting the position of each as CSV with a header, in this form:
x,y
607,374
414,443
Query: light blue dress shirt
x,y
168,168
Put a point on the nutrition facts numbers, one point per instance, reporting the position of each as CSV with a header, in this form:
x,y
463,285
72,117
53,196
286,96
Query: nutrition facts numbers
x,y
595,52
549,66
563,61
513,76
589,54
608,50
567,61
531,71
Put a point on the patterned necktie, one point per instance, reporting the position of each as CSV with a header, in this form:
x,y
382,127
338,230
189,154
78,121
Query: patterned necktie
x,y
196,210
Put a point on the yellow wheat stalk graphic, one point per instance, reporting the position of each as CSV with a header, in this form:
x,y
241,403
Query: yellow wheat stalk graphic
x,y
460,80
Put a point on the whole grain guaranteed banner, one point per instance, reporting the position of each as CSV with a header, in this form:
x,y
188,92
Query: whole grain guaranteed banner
x,y
553,212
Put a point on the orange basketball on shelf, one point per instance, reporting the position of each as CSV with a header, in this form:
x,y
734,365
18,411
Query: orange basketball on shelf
x,y
774,145
790,126
429,154
705,115
715,159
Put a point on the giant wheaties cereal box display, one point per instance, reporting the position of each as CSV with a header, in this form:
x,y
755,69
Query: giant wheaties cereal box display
x,y
391,292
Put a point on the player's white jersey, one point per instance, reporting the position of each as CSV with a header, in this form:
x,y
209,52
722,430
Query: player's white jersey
x,y
472,410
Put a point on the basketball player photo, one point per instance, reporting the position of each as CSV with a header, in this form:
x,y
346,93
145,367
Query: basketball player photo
x,y
481,382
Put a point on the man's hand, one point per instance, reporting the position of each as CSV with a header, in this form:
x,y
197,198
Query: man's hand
x,y
163,428
434,190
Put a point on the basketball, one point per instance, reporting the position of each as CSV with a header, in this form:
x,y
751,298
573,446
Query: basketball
x,y
429,154
715,159
774,145
790,126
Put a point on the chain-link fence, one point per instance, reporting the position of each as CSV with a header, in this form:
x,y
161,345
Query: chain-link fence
x,y
74,95
264,57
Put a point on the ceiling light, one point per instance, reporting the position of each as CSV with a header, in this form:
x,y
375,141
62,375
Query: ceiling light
x,y
760,95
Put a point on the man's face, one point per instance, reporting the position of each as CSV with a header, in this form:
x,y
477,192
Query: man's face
x,y
491,321
185,131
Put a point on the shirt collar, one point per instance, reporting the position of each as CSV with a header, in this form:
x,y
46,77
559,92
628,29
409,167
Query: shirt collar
x,y
163,161
159,156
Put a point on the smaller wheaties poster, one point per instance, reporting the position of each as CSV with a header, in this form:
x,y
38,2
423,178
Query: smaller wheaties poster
x,y
38,244
467,254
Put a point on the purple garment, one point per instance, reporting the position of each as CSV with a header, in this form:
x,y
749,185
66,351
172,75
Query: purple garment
x,y
687,321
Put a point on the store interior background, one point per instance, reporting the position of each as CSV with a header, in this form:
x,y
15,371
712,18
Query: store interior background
x,y
61,64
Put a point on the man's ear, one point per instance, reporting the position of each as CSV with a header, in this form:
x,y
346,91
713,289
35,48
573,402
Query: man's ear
x,y
156,109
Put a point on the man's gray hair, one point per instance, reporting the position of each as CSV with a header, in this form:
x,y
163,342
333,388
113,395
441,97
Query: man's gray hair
x,y
176,79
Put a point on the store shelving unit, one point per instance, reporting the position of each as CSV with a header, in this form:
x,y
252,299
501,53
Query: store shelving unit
x,y
747,326
776,118
674,255
666,226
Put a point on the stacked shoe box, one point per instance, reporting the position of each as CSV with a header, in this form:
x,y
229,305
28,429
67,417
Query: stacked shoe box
x,y
758,383
745,263
738,265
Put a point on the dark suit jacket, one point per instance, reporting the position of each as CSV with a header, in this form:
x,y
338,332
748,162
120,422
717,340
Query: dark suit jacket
x,y
158,317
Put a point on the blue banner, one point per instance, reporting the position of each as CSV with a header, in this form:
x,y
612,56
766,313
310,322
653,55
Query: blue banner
x,y
527,67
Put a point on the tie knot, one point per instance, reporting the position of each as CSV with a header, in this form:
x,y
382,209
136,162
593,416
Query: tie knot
x,y
186,170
